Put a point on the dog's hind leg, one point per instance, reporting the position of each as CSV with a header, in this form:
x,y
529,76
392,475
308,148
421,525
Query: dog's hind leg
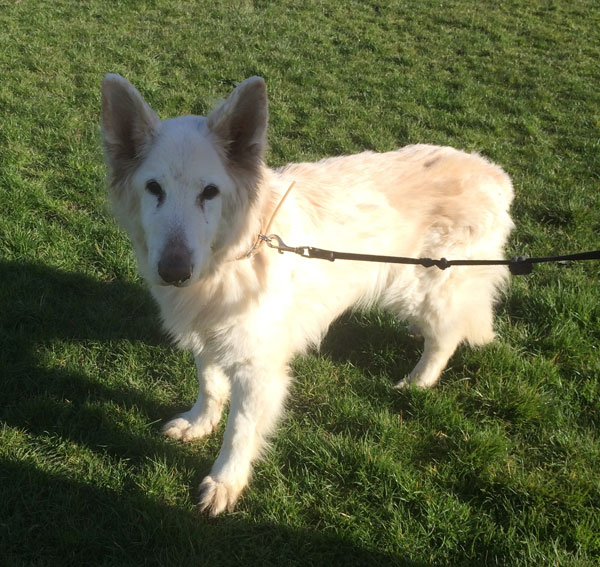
x,y
437,351
257,400
204,416
465,315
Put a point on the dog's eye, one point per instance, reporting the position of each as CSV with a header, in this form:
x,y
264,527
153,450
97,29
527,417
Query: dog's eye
x,y
210,192
154,188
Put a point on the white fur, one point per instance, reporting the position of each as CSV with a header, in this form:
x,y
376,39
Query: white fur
x,y
244,319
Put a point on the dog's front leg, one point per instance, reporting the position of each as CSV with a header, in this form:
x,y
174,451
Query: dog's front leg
x,y
257,398
204,416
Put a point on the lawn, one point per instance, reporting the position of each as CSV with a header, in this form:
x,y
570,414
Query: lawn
x,y
499,465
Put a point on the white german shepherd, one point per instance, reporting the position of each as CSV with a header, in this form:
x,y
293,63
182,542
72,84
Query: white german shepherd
x,y
194,193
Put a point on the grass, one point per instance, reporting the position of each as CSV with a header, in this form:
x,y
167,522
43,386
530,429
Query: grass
x,y
498,465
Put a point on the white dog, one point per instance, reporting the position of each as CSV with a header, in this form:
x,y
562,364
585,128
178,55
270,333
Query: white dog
x,y
194,193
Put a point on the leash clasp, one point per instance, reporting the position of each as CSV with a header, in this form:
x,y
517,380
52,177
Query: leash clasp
x,y
274,241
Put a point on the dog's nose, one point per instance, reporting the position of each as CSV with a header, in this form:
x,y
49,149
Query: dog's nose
x,y
175,265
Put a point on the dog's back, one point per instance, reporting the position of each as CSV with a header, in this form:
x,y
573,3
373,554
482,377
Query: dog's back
x,y
420,201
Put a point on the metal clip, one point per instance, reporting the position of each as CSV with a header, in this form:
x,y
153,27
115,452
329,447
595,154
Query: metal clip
x,y
282,247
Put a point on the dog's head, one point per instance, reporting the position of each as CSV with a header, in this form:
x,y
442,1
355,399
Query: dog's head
x,y
182,188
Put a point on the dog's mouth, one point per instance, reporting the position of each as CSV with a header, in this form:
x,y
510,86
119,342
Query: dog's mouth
x,y
160,282
178,284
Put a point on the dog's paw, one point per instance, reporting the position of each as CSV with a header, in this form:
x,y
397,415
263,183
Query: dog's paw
x,y
404,383
411,382
184,428
414,331
217,496
414,382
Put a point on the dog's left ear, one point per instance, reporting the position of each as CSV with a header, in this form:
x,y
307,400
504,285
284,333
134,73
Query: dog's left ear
x,y
240,123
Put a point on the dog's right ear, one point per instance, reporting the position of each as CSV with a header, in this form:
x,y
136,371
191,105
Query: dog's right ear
x,y
129,125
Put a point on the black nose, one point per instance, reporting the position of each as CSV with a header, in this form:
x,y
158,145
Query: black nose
x,y
175,264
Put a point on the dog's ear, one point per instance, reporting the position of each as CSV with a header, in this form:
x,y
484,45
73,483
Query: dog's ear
x,y
240,123
128,124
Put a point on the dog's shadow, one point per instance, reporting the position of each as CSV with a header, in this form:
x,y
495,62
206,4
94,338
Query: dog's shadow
x,y
40,308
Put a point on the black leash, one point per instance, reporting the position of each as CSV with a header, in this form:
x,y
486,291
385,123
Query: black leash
x,y
520,266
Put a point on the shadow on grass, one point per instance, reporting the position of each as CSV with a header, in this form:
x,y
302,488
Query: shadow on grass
x,y
376,344
50,519
384,351
39,302
40,306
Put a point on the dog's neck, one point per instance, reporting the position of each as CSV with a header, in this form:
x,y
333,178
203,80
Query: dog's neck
x,y
265,227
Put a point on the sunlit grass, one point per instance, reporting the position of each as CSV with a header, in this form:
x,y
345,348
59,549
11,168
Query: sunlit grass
x,y
498,465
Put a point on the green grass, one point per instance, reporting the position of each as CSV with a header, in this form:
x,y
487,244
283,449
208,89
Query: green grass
x,y
498,465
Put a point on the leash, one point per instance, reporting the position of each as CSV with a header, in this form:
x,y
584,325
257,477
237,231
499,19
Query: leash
x,y
261,238
519,266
